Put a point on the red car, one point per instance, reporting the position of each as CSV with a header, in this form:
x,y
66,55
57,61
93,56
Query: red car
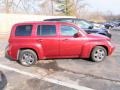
x,y
32,41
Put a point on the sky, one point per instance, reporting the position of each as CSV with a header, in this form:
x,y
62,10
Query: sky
x,y
105,6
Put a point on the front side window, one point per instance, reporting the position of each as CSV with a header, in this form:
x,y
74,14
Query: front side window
x,y
68,30
23,30
46,30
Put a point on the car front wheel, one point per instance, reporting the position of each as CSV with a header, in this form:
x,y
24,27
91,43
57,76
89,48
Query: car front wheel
x,y
27,57
98,54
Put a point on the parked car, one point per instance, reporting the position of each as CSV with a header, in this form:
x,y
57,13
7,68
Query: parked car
x,y
98,25
109,25
84,24
32,41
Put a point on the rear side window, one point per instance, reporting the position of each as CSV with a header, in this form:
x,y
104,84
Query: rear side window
x,y
46,30
23,30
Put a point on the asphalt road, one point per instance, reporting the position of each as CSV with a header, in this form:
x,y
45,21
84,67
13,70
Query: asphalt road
x,y
65,74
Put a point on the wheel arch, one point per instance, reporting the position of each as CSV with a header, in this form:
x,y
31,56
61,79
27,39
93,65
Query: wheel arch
x,y
26,49
101,46
86,52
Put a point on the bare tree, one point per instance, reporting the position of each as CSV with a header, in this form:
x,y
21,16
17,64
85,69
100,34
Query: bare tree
x,y
44,7
80,7
8,4
70,7
16,6
61,7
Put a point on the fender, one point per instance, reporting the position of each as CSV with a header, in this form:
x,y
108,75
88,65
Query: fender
x,y
88,47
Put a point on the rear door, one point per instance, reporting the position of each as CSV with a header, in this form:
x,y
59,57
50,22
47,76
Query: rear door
x,y
47,36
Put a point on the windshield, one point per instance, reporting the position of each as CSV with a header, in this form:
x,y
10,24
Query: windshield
x,y
83,24
79,24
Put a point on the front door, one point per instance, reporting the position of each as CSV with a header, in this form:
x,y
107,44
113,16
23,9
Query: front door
x,y
70,46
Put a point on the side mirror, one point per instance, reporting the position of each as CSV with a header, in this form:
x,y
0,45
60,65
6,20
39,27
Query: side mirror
x,y
77,35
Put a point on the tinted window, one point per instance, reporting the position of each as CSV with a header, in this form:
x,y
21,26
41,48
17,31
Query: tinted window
x,y
68,31
23,30
46,30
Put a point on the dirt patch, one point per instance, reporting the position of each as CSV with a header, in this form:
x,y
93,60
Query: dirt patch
x,y
50,65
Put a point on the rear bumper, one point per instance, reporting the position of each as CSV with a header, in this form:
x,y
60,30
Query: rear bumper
x,y
7,53
7,56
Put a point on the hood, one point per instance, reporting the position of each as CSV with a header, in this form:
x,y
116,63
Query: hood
x,y
96,36
96,29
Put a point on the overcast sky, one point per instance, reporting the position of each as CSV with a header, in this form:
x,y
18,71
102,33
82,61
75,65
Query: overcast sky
x,y
104,5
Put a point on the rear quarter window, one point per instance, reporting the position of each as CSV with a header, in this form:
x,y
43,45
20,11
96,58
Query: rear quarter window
x,y
23,30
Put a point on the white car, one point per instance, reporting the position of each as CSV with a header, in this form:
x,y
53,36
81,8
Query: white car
x,y
98,26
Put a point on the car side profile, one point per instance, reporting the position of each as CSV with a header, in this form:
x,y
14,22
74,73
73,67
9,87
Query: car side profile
x,y
32,41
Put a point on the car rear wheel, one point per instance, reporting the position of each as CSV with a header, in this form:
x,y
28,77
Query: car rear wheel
x,y
27,57
98,54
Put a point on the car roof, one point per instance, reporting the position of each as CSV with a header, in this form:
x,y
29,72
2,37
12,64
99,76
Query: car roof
x,y
64,19
44,22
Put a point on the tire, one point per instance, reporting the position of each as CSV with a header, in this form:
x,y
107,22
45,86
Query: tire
x,y
27,57
98,54
3,81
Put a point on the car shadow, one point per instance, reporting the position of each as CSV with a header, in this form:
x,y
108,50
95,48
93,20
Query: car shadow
x,y
51,65
3,80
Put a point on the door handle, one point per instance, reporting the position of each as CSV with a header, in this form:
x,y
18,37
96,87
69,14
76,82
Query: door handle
x,y
65,40
40,40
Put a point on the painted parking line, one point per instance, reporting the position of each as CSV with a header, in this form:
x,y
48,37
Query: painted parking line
x,y
51,80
